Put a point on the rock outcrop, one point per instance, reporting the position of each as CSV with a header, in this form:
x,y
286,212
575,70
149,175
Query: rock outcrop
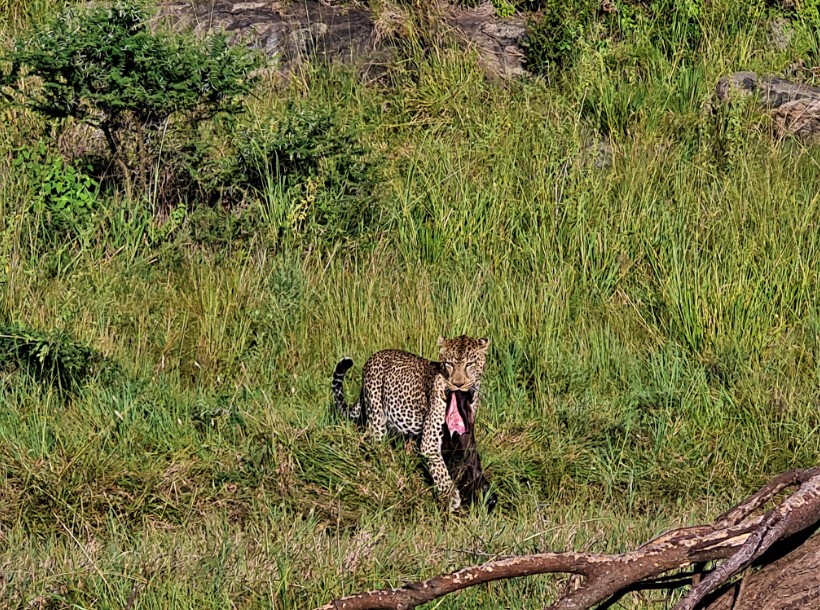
x,y
795,107
291,32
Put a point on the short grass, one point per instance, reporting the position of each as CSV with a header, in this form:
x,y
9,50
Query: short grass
x,y
655,343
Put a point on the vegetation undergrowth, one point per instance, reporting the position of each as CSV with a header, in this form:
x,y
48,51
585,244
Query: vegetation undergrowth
x,y
644,262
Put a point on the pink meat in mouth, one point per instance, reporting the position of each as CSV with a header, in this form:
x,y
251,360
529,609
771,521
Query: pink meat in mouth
x,y
454,421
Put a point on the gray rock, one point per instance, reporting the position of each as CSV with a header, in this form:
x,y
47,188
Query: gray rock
x,y
291,32
240,7
497,40
780,33
795,107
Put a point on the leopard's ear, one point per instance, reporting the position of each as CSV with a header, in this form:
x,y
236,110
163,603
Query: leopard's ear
x,y
440,341
484,343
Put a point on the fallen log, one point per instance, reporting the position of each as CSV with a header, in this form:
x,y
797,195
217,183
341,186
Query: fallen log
x,y
790,581
739,537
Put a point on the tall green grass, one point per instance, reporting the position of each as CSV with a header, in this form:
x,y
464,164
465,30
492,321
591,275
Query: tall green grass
x,y
654,326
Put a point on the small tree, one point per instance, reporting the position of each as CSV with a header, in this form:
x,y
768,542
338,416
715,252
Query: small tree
x,y
104,67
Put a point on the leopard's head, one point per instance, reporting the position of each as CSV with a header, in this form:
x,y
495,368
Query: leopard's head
x,y
462,360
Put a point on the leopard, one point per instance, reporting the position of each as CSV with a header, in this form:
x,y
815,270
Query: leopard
x,y
420,398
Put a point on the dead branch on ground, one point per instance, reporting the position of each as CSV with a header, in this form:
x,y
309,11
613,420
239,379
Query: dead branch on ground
x,y
738,536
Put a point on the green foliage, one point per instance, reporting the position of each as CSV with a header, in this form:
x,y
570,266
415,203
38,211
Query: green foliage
x,y
65,197
561,31
103,66
676,26
315,168
808,11
16,15
504,8
51,358
555,34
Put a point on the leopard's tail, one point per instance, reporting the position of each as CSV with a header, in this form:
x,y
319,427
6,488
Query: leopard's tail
x,y
338,390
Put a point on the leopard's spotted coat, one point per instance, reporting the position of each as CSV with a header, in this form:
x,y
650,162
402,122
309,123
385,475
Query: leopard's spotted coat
x,y
409,394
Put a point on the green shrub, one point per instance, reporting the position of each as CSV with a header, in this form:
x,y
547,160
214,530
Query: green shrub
x,y
550,42
65,197
503,8
317,168
103,66
51,358
553,37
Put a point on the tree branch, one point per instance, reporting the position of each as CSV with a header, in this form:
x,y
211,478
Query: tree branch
x,y
735,536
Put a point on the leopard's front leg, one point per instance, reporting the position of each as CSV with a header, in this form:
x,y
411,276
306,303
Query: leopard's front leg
x,y
431,440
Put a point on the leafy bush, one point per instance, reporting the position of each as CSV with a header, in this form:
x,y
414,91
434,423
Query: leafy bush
x,y
64,197
503,8
554,35
51,358
317,167
557,31
103,66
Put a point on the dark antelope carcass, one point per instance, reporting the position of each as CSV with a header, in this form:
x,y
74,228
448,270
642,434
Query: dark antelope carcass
x,y
460,453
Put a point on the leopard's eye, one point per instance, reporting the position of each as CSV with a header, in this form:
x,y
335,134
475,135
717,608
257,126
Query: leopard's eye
x,y
448,366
